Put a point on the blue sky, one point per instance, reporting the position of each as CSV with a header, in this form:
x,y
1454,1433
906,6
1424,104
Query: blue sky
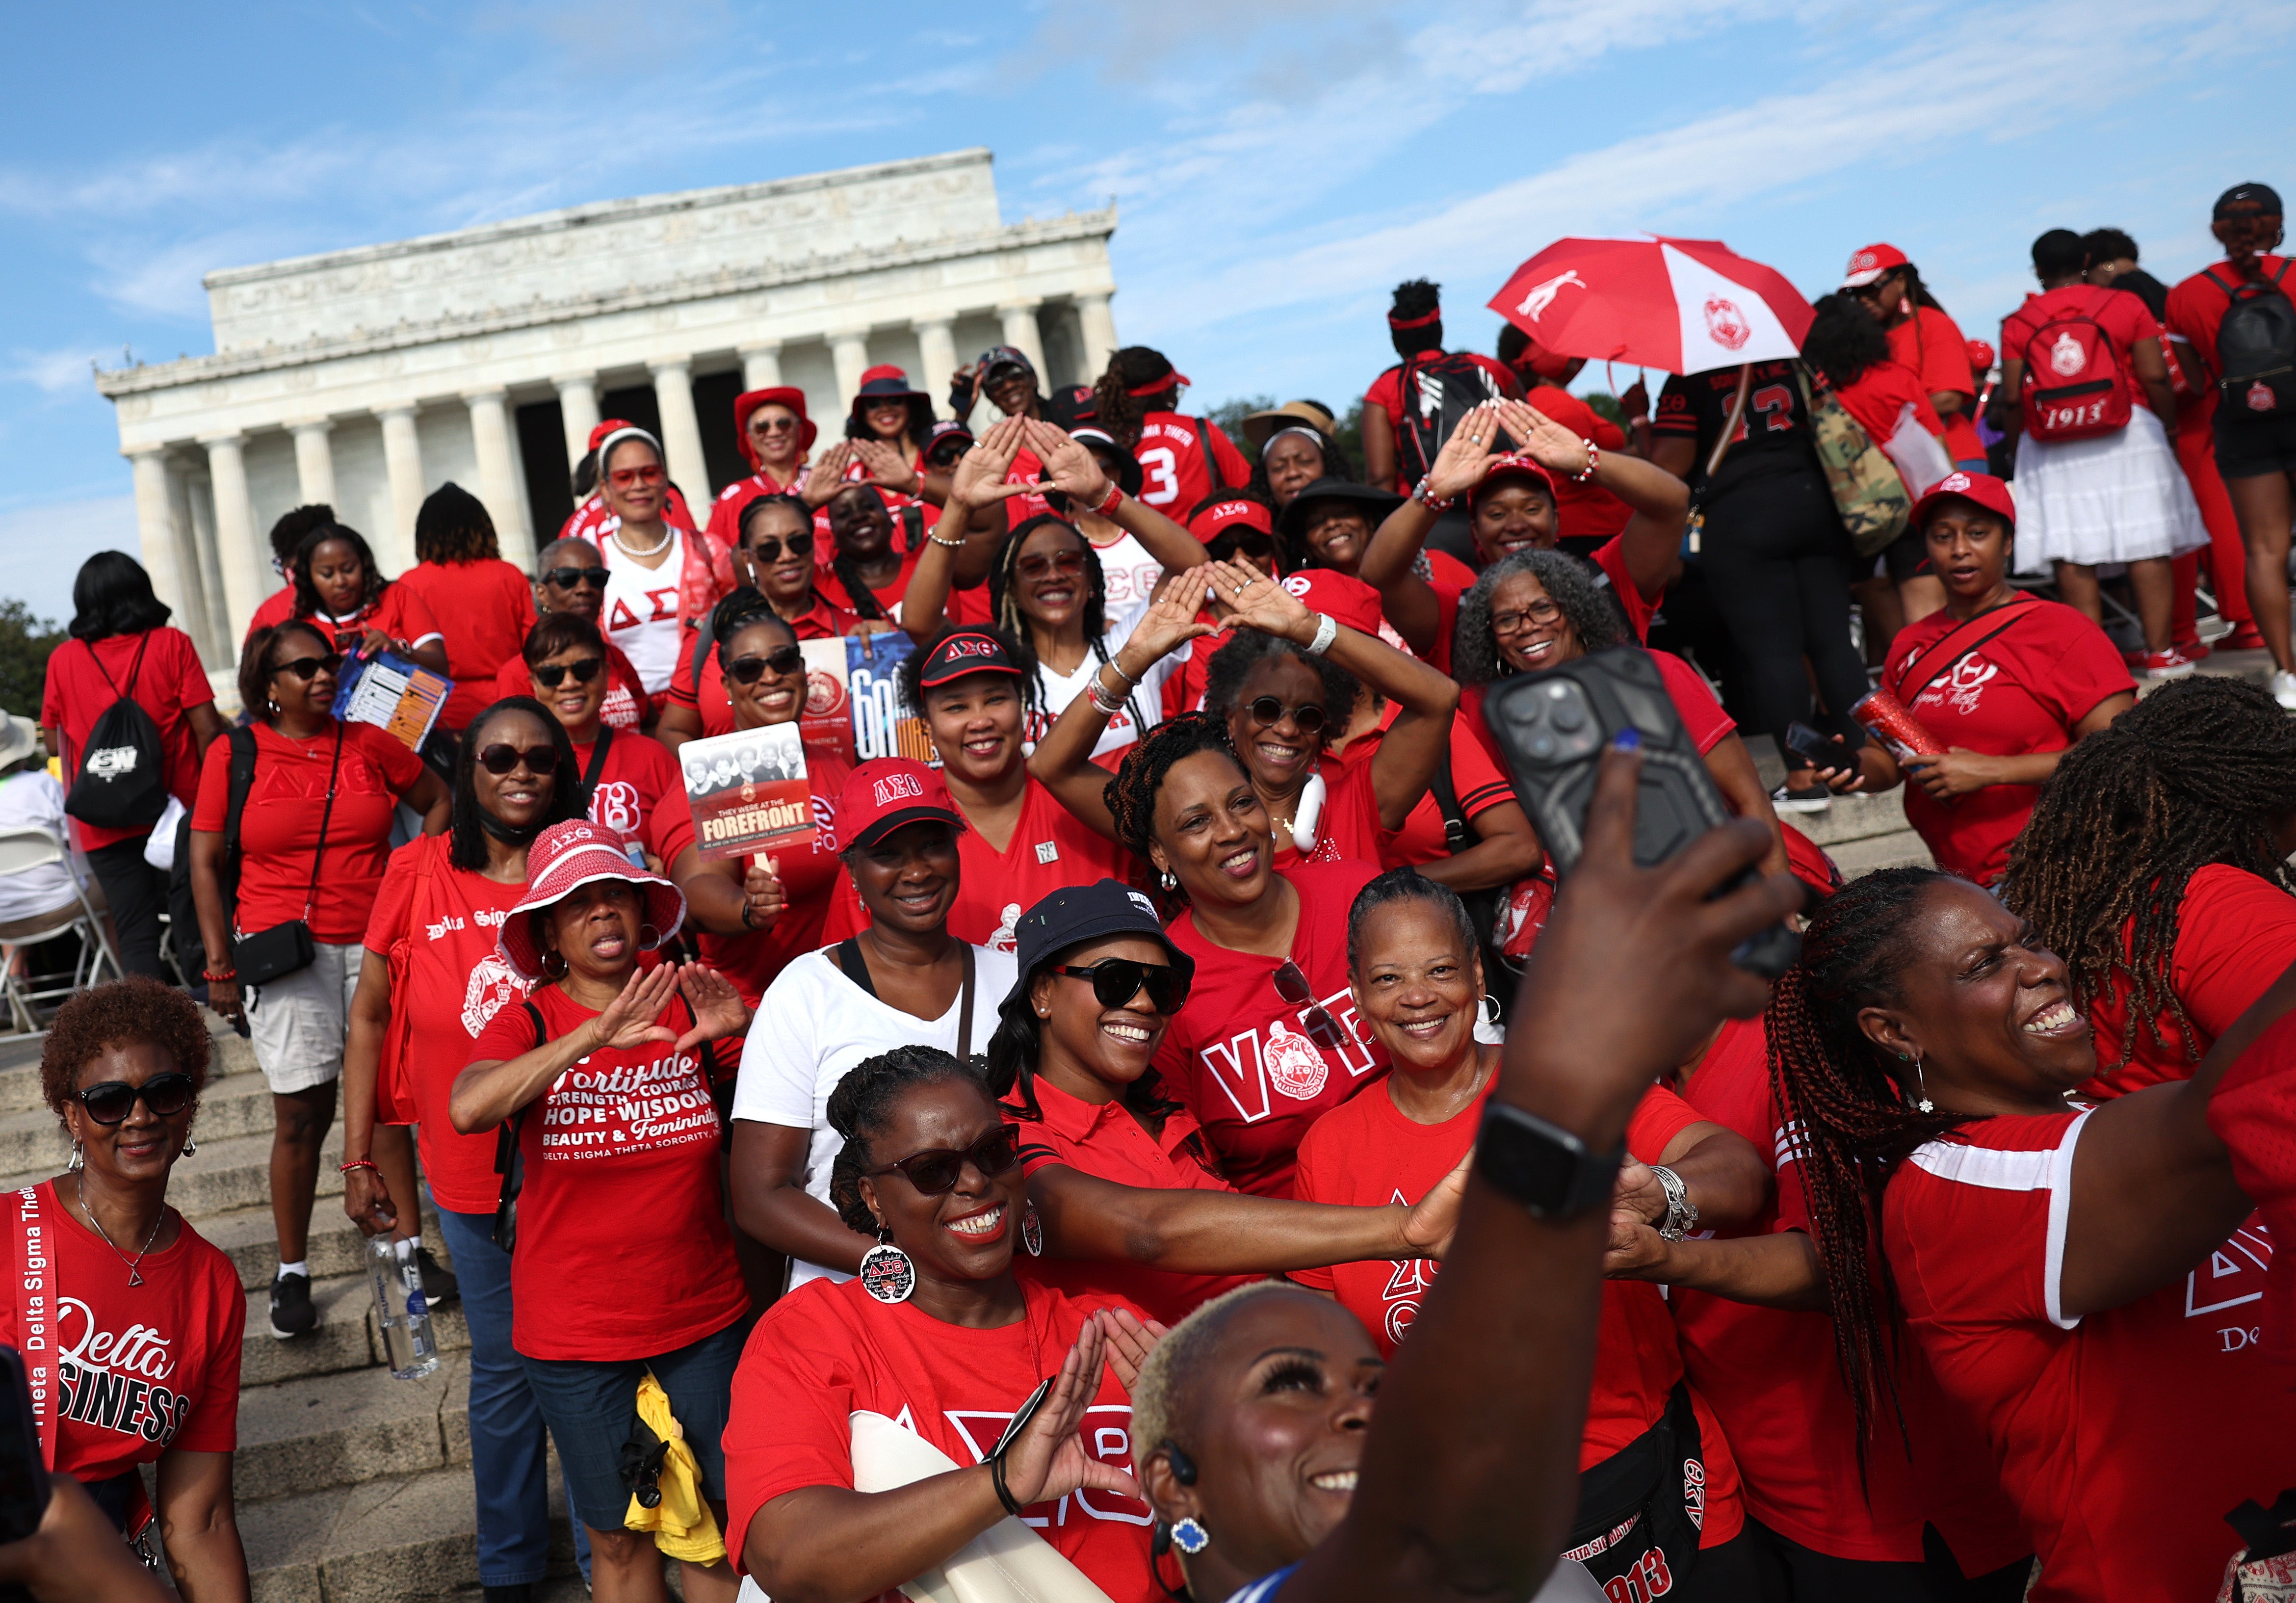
x,y
1278,165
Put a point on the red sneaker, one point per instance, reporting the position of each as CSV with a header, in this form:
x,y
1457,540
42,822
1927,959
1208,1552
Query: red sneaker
x,y
2246,637
2196,648
2170,664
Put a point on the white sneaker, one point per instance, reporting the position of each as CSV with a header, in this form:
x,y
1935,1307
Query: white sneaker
x,y
1817,798
2283,689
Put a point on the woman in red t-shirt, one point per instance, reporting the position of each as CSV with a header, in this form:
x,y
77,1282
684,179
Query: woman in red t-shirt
x,y
775,434
313,838
128,1321
623,1264
944,1344
339,590
1924,341
1136,399
625,774
483,605
2155,863
569,577
2070,1275
430,982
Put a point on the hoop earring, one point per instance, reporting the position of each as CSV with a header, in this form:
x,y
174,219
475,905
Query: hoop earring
x,y
649,937
549,972
885,1272
1190,1536
78,1159
1032,1232
1490,1009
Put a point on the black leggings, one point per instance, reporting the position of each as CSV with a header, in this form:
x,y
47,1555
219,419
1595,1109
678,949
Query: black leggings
x,y
138,894
1777,562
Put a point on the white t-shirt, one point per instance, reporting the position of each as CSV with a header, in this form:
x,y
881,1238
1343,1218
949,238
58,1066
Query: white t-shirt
x,y
1131,572
640,612
1059,689
34,797
814,1025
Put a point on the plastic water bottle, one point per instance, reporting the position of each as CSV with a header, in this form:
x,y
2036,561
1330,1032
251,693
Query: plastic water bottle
x,y
400,1308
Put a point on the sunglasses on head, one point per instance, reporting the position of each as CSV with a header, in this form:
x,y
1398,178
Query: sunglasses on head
x,y
551,675
1267,711
567,579
1116,980
307,667
769,550
1071,561
782,660
936,1171
166,1095
502,758
1292,986
622,477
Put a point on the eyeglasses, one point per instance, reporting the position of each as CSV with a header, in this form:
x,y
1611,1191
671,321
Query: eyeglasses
x,y
307,667
1540,613
1292,986
503,759
1116,980
166,1095
1071,561
935,1171
1240,545
1266,710
622,477
782,660
567,579
551,675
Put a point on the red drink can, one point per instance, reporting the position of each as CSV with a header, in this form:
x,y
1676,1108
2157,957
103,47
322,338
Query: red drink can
x,y
1887,716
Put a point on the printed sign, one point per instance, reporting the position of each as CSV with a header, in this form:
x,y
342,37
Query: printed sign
x,y
853,700
391,693
748,791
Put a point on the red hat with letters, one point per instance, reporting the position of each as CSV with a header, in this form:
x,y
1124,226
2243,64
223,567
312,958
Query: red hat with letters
x,y
563,859
886,792
1984,488
1869,264
960,653
1515,466
1231,511
1981,358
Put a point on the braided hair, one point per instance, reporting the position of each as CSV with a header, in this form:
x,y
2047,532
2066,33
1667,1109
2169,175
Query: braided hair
x,y
299,570
467,831
2193,775
1851,1121
1591,610
1131,795
1005,605
735,610
863,1106
859,598
1120,411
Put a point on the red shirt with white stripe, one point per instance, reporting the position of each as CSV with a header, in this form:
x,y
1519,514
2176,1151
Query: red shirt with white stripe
x,y
1173,476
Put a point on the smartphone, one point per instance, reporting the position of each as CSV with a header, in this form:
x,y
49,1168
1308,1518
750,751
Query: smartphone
x,y
23,1468
1552,726
1823,750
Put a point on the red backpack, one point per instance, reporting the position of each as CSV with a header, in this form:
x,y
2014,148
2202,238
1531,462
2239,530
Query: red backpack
x,y
2076,384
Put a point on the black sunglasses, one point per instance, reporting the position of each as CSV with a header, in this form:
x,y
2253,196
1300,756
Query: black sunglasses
x,y
769,550
935,1171
307,669
166,1095
782,660
1116,980
1267,711
566,579
502,758
551,675
1292,986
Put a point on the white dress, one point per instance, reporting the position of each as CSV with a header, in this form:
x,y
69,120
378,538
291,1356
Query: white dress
x,y
2115,497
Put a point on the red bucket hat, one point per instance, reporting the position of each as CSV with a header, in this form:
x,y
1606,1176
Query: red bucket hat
x,y
885,792
1516,466
784,395
566,857
1346,598
1984,488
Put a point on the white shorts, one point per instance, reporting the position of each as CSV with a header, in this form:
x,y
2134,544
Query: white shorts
x,y
296,1023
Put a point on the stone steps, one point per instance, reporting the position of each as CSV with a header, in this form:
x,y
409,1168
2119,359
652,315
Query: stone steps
x,y
338,1430
347,1338
385,1539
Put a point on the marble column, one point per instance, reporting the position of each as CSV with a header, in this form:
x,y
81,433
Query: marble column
x,y
1099,329
314,461
578,400
681,430
936,359
194,500
1020,319
761,366
168,557
247,576
402,459
499,475
850,351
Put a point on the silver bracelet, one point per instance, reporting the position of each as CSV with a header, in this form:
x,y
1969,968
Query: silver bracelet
x,y
1327,629
1681,1212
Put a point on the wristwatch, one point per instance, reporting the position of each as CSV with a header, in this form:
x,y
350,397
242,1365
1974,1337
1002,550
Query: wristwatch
x,y
1546,1169
1681,1212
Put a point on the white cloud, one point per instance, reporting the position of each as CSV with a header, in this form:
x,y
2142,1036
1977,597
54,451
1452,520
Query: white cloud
x,y
54,372
42,548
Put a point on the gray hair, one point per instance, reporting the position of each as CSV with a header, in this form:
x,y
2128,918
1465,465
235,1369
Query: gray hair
x,y
1592,612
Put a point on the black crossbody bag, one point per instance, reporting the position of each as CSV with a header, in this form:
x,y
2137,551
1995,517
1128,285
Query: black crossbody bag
x,y
271,954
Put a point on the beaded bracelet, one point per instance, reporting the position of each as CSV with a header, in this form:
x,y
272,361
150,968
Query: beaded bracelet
x,y
1594,460
1425,498
356,1163
944,545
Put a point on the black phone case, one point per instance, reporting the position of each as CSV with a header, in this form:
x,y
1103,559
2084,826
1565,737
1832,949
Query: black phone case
x,y
1553,724
23,1467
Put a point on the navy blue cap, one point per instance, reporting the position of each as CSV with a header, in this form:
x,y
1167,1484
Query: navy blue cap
x,y
1075,914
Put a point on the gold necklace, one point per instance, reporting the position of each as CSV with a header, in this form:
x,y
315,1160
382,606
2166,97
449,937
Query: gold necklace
x,y
134,1270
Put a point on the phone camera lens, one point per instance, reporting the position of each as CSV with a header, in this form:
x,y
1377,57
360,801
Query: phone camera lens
x,y
1542,745
1569,715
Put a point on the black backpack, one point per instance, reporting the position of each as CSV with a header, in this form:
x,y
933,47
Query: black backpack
x,y
2256,342
1436,389
122,783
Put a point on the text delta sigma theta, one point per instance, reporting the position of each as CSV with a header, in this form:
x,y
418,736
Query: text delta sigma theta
x,y
614,1112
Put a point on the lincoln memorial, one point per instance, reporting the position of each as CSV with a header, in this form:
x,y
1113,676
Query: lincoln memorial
x,y
367,377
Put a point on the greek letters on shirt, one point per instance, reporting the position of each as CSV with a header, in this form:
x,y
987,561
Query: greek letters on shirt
x,y
114,1379
2233,1277
594,1113
1107,1433
1249,1066
665,605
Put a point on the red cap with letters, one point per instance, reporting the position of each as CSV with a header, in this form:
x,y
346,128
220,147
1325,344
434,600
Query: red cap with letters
x,y
1869,264
886,792
1984,488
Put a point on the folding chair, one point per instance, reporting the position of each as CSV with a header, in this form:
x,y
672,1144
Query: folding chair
x,y
23,848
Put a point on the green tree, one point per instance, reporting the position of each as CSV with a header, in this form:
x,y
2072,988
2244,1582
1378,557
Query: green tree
x,y
1606,405
1230,415
25,642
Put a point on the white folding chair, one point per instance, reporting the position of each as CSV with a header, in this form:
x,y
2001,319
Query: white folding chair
x,y
23,848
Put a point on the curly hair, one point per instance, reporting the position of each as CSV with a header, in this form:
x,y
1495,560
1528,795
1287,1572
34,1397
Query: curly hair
x,y
863,1104
293,525
454,527
1415,298
908,676
298,571
1131,796
466,830
258,659
1116,409
2193,775
1004,603
1247,649
1854,1121
1590,608
137,1009
1843,341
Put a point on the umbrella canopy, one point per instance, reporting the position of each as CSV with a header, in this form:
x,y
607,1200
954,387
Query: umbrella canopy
x,y
1685,305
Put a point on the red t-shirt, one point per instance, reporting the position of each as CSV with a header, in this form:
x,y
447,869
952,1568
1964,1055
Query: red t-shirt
x,y
713,702
2123,1437
142,1370
1931,345
625,705
725,512
827,1352
168,684
2023,690
1049,851
1703,718
399,613
962,606
752,959
1610,556
1238,1056
1173,476
451,984
1387,391
623,1250
1105,1141
2254,1114
2122,317
1879,398
1477,780
2235,935
1586,511
2197,306
485,609
638,772
273,610
279,831
1347,829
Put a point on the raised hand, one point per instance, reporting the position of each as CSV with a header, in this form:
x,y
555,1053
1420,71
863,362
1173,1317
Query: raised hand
x,y
1257,602
1073,469
1429,1225
887,466
1049,1459
718,1010
1543,439
1128,1341
827,476
1171,621
981,472
628,1020
1467,454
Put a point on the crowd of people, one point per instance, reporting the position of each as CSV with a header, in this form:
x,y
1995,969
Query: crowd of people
x,y
1181,1140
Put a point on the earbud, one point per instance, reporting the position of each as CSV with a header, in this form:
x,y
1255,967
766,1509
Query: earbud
x,y
1184,1467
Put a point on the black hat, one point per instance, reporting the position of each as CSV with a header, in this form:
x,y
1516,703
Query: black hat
x,y
1076,914
1070,404
2262,196
1377,502
1114,459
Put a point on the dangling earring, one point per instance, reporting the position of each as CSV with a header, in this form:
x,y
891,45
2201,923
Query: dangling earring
x,y
1921,1088
1905,306
1190,1536
1171,880
191,1148
78,1159
1032,1232
885,1272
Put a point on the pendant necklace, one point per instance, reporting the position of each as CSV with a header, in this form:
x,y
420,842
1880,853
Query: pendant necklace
x,y
134,1270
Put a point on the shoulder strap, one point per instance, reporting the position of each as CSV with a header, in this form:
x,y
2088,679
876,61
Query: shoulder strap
x,y
1211,458
702,644
597,765
964,1009
1458,835
326,816
2016,611
241,782
38,1296
856,967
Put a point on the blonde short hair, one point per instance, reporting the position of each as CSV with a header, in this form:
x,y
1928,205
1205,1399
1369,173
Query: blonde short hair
x,y
1156,1399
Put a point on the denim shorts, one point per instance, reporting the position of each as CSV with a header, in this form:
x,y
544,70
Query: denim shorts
x,y
592,1408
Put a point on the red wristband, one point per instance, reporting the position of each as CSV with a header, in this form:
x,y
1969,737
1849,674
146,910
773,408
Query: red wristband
x,y
1110,502
356,1163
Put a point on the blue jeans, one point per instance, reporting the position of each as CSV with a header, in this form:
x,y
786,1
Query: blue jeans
x,y
508,1454
592,1410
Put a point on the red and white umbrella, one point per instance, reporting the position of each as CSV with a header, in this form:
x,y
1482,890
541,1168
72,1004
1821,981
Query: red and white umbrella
x,y
1685,305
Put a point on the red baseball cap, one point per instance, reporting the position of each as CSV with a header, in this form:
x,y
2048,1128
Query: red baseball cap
x,y
566,857
610,425
1231,511
785,395
1983,488
966,651
886,792
1516,466
1869,264
1346,598
1981,358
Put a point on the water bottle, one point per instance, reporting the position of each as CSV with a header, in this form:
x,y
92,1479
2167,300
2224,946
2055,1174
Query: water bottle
x,y
407,1344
